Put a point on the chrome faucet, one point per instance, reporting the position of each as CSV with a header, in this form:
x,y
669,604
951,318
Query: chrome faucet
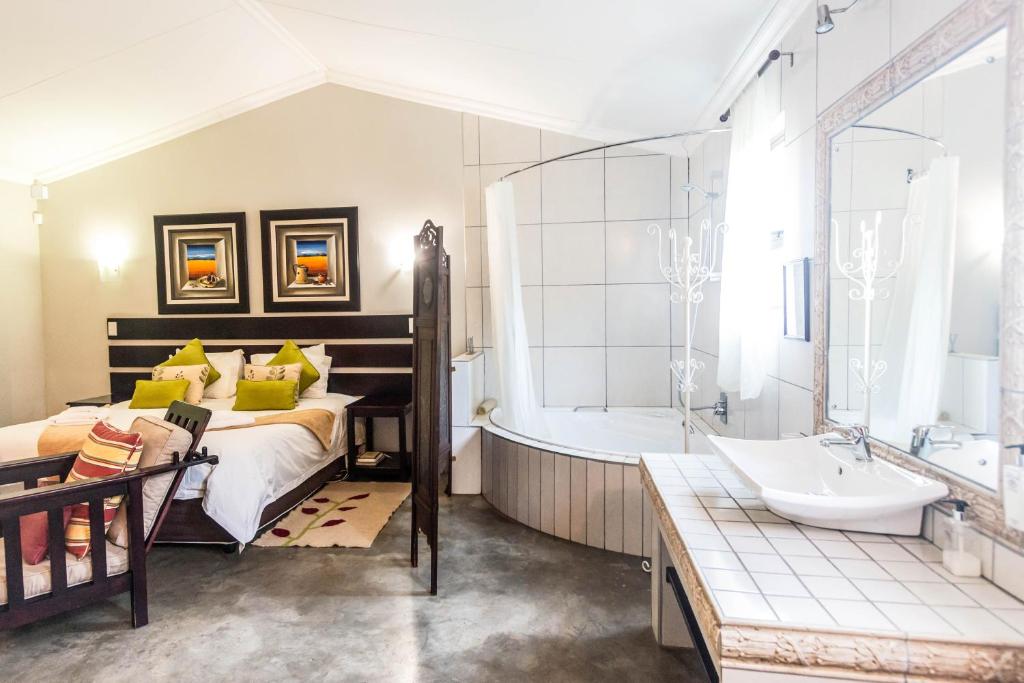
x,y
922,438
856,435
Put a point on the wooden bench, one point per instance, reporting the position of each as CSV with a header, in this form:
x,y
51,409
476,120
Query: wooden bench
x,y
19,609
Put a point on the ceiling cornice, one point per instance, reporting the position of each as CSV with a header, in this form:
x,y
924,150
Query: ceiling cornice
x,y
481,108
194,123
765,39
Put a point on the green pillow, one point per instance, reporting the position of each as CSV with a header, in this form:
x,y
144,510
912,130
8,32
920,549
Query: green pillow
x,y
150,393
291,353
276,394
193,354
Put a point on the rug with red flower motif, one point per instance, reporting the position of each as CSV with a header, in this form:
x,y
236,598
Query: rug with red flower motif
x,y
342,514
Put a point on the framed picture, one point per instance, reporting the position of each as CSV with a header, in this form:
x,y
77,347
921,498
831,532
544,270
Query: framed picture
x,y
310,259
796,291
201,263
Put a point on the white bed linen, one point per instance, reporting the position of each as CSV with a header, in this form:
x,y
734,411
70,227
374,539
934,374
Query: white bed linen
x,y
257,465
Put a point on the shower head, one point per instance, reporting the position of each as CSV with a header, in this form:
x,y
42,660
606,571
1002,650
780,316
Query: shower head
x,y
699,190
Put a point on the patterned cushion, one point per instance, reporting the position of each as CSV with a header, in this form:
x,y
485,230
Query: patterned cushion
x,y
107,451
195,374
160,441
274,373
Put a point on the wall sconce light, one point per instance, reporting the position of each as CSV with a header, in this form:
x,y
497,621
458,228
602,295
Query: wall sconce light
x,y
39,191
109,254
825,22
400,254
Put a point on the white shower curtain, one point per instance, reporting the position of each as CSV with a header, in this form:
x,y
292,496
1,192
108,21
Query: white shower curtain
x,y
516,397
744,341
916,340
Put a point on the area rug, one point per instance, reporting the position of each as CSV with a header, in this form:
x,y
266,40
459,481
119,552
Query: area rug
x,y
342,514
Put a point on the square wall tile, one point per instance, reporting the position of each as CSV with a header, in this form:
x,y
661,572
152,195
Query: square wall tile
x,y
679,175
574,315
911,18
525,186
1008,570
474,258
574,377
638,376
475,314
557,144
638,315
531,258
632,252
637,188
761,419
574,253
573,190
533,313
796,410
472,195
470,139
799,81
845,58
503,143
880,173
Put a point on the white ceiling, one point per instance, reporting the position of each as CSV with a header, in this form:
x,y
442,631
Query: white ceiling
x,y
86,81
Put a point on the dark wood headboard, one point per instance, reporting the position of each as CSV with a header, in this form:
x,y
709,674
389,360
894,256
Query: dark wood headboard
x,y
371,353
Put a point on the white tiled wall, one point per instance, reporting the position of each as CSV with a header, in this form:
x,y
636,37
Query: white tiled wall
x,y
825,68
597,309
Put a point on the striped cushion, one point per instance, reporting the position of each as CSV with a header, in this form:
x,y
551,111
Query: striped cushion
x,y
107,451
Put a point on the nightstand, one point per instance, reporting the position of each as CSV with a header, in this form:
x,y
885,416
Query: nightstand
x,y
98,401
384,405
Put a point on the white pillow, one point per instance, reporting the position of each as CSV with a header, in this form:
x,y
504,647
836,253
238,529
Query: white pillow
x,y
318,389
229,364
315,355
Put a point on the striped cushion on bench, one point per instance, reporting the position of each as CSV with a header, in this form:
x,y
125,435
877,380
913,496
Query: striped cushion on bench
x,y
107,451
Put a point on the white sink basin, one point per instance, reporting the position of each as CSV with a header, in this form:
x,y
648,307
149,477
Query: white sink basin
x,y
803,481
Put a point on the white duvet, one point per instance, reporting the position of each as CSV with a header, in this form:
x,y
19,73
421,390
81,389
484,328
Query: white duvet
x,y
257,465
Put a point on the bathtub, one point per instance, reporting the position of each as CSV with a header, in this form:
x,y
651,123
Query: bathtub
x,y
580,480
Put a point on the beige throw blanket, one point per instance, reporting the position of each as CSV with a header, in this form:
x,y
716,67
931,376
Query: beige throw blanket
x,y
318,421
57,439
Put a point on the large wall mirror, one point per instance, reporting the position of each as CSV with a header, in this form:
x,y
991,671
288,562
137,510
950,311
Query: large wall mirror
x,y
914,269
910,293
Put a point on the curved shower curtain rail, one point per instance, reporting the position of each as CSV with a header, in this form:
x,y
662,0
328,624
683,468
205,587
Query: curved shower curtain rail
x,y
901,130
704,131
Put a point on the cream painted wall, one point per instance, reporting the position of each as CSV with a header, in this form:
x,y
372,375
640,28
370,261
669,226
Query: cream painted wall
x,y
399,162
21,335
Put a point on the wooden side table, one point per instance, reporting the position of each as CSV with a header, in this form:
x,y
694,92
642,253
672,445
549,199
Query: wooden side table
x,y
98,401
369,407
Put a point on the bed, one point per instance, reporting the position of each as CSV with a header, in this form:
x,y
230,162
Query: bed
x,y
263,471
230,503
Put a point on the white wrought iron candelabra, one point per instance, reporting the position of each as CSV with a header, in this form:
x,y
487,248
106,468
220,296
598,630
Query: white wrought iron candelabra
x,y
687,273
863,276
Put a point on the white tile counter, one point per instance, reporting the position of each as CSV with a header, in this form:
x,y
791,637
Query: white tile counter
x,y
774,596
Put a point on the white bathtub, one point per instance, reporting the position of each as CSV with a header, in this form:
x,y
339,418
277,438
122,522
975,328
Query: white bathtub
x,y
580,480
619,433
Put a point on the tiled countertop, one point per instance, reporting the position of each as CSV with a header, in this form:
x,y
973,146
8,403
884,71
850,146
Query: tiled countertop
x,y
787,595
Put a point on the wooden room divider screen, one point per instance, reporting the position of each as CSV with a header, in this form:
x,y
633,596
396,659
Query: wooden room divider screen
x,y
432,399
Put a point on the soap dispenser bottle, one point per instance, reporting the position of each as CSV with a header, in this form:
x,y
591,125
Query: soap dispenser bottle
x,y
960,553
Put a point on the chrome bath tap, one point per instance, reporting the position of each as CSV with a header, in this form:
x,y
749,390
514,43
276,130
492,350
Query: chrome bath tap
x,y
922,438
857,436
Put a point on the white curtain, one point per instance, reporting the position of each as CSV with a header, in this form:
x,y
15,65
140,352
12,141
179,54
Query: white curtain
x,y
516,397
745,324
916,340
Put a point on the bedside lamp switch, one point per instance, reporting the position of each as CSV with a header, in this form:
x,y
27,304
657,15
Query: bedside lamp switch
x,y
111,328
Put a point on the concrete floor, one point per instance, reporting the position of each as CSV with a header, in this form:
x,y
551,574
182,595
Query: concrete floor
x,y
514,604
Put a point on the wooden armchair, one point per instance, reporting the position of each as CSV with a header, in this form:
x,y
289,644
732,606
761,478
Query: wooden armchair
x,y
19,609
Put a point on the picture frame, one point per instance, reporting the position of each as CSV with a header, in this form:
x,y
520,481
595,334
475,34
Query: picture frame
x,y
796,297
201,263
310,259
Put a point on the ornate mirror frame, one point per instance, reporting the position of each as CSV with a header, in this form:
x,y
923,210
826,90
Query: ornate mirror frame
x,y
961,30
